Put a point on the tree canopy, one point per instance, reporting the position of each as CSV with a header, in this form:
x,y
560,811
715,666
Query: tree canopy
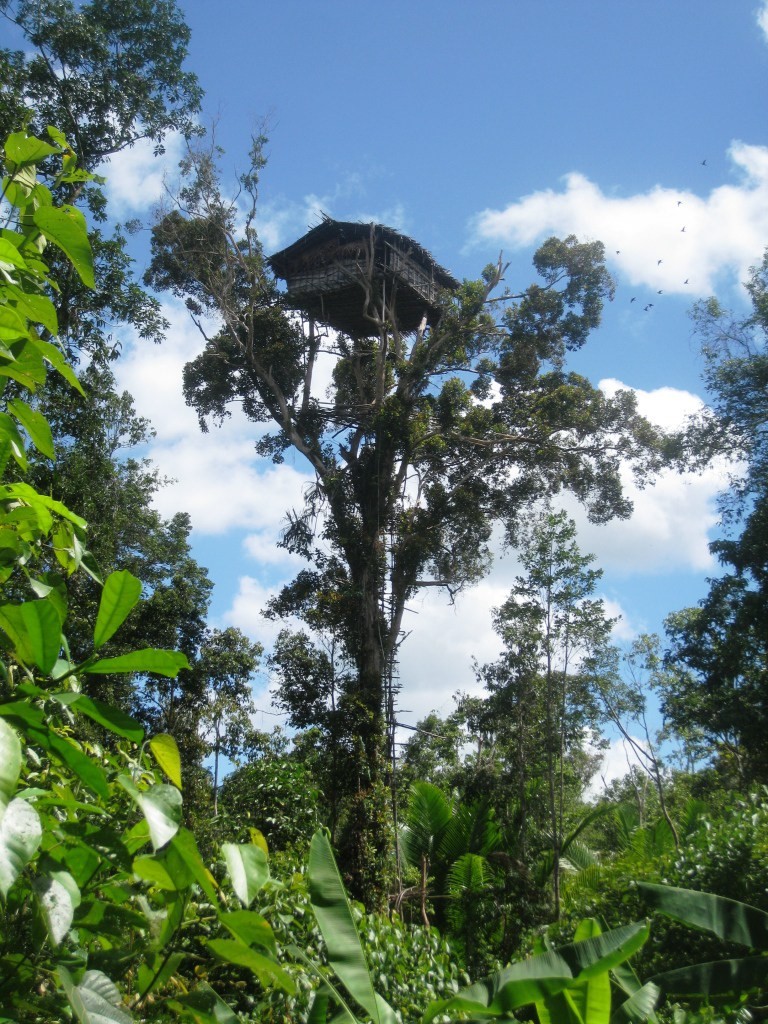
x,y
718,683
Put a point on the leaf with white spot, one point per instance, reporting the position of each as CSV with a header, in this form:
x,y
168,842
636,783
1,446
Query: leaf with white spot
x,y
10,762
248,869
96,1000
58,897
20,835
161,807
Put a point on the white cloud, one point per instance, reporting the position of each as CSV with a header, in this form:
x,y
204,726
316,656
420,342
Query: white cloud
x,y
219,481
669,529
622,630
667,238
136,177
216,477
762,18
671,525
153,374
261,547
669,408
436,659
247,607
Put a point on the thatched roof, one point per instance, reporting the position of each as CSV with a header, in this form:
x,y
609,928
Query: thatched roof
x,y
325,270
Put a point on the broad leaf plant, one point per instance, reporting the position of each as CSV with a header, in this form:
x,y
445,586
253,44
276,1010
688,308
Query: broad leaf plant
x,y
99,881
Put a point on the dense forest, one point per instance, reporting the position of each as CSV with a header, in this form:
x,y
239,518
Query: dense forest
x,y
161,858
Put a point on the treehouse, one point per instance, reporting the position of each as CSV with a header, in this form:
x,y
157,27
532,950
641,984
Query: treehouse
x,y
350,276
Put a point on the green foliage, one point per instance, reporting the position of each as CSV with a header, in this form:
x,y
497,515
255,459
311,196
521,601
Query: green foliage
x,y
468,877
566,984
91,69
370,954
728,853
92,920
411,966
717,687
275,795
543,692
722,853
334,918
227,662
111,75
732,922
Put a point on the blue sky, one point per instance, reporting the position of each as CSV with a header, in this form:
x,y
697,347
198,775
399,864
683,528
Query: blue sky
x,y
477,128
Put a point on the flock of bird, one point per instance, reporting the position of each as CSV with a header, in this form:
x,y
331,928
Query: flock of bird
x,y
649,305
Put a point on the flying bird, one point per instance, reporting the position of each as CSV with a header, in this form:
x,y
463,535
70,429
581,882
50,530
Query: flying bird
x,y
683,228
703,163
660,292
679,202
659,262
632,299
685,281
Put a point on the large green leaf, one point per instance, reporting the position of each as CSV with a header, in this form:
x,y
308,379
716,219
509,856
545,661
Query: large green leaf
x,y
639,1007
266,970
111,718
248,869
718,978
334,918
205,1005
544,976
429,812
119,597
250,928
166,753
559,1009
35,424
11,436
51,354
37,308
593,996
96,1000
156,970
85,769
20,836
472,829
58,896
161,807
161,663
729,920
12,326
10,254
641,999
154,871
24,150
10,763
599,953
34,629
182,853
318,1010
29,496
31,722
65,225
469,875
588,1001
518,985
